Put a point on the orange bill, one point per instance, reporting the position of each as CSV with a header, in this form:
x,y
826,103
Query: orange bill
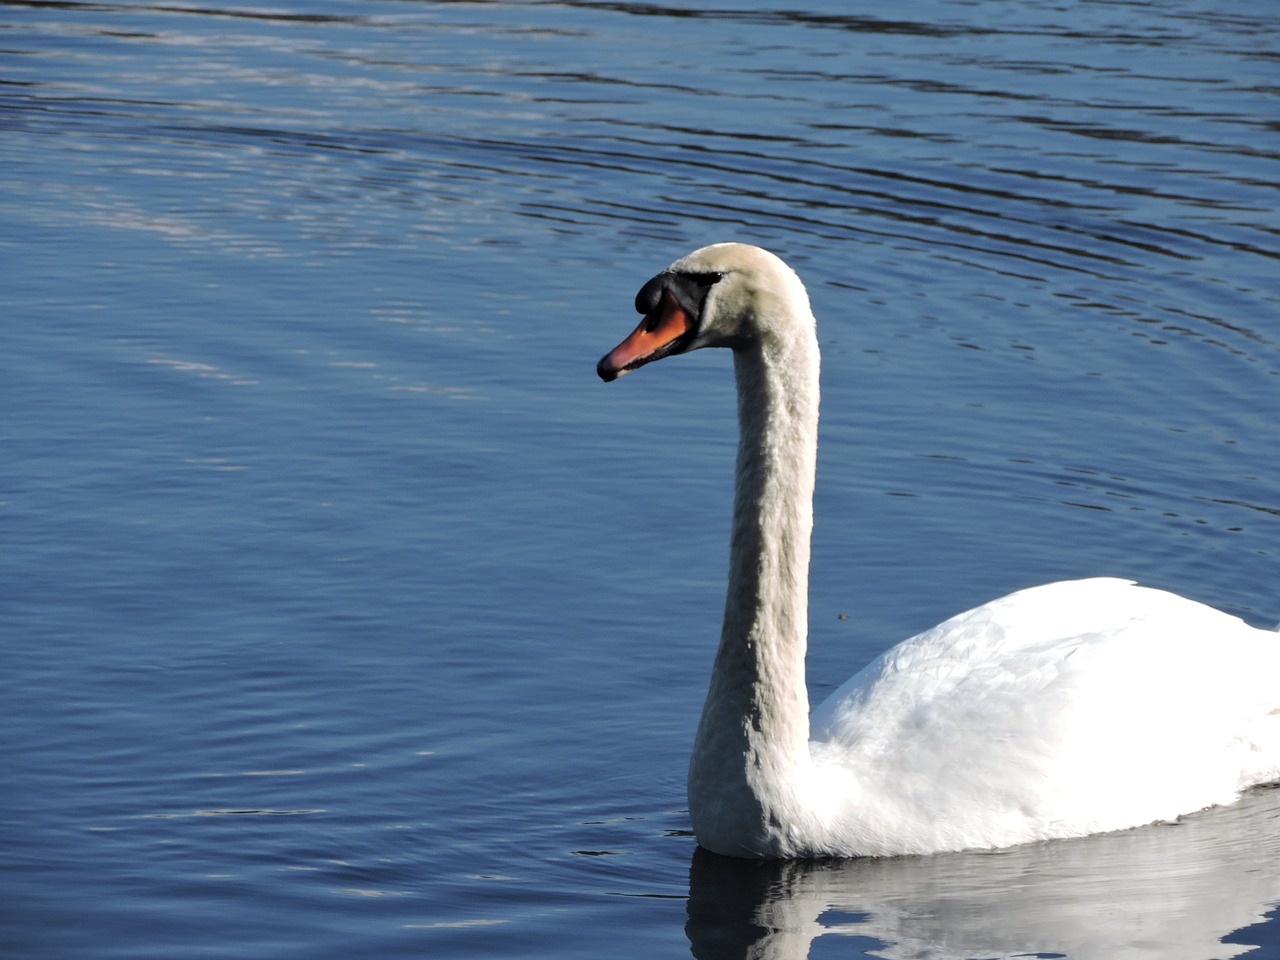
x,y
656,336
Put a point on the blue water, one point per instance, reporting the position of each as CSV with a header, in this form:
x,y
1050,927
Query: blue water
x,y
345,613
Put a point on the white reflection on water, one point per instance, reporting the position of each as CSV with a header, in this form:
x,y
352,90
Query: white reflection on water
x,y
1167,892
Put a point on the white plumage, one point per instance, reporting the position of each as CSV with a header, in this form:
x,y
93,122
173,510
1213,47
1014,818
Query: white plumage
x,y
1067,709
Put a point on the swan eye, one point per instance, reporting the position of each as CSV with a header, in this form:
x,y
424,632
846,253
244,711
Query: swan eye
x,y
690,289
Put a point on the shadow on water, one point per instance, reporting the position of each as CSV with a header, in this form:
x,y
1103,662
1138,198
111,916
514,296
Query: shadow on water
x,y
1184,891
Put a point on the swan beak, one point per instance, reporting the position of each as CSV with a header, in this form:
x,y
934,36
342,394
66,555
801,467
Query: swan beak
x,y
665,330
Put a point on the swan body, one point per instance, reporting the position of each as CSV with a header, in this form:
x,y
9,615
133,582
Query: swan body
x,y
1062,710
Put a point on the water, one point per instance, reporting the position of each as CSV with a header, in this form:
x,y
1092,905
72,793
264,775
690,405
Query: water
x,y
346,613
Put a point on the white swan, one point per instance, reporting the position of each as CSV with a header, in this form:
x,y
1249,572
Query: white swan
x,y
1068,709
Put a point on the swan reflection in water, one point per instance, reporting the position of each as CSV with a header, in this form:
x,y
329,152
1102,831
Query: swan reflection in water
x,y
1163,892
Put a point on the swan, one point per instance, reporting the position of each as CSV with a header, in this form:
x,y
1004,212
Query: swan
x,y
1062,710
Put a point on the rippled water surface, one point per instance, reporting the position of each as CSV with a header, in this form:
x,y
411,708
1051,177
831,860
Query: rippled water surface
x,y
345,613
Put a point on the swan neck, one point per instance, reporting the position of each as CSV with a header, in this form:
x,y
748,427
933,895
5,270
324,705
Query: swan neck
x,y
766,609
751,752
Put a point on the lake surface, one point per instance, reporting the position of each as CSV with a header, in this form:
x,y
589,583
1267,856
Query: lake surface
x,y
346,613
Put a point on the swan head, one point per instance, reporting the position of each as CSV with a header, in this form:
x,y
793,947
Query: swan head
x,y
723,295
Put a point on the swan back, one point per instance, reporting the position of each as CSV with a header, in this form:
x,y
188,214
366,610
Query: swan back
x,y
1066,709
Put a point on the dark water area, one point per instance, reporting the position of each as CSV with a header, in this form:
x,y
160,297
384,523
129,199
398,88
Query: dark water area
x,y
344,612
